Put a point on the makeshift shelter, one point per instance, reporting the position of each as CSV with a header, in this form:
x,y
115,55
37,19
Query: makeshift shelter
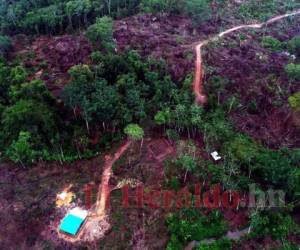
x,y
73,221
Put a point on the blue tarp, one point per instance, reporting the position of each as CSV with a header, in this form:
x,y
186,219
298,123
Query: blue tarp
x,y
71,224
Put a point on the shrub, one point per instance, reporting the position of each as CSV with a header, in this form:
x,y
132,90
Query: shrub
x,y
294,45
274,166
18,75
271,43
294,101
21,151
190,224
277,225
102,33
216,128
242,149
293,71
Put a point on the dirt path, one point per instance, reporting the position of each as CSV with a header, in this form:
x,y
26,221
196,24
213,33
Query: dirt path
x,y
200,96
235,236
104,190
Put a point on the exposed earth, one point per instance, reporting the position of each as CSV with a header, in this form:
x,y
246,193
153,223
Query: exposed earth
x,y
27,212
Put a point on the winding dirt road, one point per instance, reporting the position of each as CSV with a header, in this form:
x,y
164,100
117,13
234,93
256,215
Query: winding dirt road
x,y
104,190
198,89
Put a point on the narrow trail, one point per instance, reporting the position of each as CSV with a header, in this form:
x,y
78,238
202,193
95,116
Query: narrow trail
x,y
104,190
198,89
231,235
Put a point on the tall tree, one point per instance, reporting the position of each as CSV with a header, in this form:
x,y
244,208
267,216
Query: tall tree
x,y
199,10
101,33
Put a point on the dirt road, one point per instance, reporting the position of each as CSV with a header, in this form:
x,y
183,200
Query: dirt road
x,y
104,190
200,96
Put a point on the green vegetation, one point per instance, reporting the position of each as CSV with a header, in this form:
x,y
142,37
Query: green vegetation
x,y
187,163
101,33
190,224
293,71
52,17
119,94
262,10
294,45
156,6
198,9
277,225
271,43
134,132
21,151
294,101
217,245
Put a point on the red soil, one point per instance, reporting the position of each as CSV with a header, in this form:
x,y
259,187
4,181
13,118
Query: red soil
x,y
104,190
53,57
199,73
161,36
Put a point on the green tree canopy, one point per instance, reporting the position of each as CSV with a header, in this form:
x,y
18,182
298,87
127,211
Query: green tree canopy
x,y
199,10
31,116
134,132
101,33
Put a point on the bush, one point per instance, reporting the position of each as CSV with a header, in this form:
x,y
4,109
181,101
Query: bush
x,y
293,71
294,101
101,33
277,225
18,75
274,166
21,151
271,43
199,10
294,45
190,224
241,148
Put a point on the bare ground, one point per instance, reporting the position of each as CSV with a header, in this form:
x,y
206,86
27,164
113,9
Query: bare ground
x,y
256,75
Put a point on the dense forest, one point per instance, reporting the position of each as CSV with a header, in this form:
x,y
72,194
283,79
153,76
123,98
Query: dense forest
x,y
79,78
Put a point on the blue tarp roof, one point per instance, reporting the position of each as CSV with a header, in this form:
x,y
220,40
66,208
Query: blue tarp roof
x,y
71,224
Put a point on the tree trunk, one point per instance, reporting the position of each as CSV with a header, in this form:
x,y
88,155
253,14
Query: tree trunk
x,y
185,175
